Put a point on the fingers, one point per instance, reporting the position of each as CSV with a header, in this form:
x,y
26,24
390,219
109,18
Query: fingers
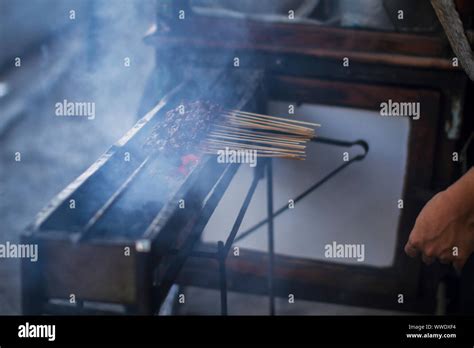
x,y
410,249
414,244
439,228
428,256
428,259
427,234
446,257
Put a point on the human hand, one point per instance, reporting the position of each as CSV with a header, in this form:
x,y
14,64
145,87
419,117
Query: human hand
x,y
444,229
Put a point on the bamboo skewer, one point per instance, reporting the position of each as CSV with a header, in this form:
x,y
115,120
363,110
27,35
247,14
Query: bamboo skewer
x,y
248,139
278,118
251,136
219,146
267,127
269,136
262,154
250,143
270,155
279,125
251,147
268,122
255,132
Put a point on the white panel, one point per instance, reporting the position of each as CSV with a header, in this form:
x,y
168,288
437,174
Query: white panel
x,y
358,206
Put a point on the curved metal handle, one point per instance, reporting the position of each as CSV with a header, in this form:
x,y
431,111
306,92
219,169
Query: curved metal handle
x,y
329,141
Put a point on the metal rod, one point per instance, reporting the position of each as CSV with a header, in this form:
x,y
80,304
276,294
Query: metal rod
x,y
361,143
222,276
271,242
173,270
343,143
240,216
223,249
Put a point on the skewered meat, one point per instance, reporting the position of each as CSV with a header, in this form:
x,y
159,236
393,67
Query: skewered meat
x,y
183,128
205,128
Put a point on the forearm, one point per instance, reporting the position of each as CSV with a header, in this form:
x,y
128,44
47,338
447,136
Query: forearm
x,y
461,193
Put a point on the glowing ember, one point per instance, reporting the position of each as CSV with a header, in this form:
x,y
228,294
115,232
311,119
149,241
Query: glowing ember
x,y
187,163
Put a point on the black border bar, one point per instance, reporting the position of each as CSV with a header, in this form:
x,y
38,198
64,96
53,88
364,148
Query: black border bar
x,y
240,330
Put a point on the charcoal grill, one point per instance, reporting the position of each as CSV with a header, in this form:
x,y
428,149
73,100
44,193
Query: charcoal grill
x,y
110,237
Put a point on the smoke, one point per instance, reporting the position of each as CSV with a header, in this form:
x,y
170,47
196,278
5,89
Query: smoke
x,y
78,59
110,67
